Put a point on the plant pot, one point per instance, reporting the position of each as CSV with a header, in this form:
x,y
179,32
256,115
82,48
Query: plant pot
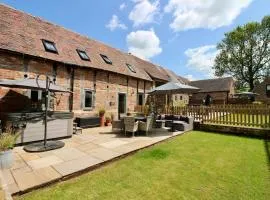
x,y
102,120
6,159
108,122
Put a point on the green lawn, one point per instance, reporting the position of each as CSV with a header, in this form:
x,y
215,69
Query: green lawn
x,y
197,165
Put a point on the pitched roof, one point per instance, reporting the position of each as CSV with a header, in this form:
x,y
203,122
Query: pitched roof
x,y
213,85
174,77
153,70
183,79
21,32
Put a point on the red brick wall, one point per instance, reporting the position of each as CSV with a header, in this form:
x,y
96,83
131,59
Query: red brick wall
x,y
106,85
260,89
12,67
217,97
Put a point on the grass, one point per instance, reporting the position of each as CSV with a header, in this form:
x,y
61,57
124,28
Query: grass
x,y
197,165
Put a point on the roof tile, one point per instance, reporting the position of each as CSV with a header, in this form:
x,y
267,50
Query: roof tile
x,y
21,32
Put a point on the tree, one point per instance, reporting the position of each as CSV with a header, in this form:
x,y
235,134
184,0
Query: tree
x,y
244,53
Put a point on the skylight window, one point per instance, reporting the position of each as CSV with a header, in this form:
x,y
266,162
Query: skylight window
x,y
106,59
130,67
49,46
83,55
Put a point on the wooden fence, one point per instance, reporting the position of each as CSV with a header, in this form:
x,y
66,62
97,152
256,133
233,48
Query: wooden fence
x,y
235,115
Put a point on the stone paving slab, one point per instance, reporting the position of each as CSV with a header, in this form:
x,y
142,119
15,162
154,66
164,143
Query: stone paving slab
x,y
13,188
67,154
92,147
103,153
34,178
29,156
72,166
44,162
6,174
87,147
114,143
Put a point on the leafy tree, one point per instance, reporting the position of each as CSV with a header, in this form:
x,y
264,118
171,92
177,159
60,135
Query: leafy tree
x,y
244,53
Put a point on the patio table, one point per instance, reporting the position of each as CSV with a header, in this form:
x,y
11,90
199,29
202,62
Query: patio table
x,y
140,119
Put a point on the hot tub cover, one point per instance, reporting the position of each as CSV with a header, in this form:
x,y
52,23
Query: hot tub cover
x,y
32,84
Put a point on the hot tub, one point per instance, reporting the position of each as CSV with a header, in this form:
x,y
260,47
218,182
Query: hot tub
x,y
31,125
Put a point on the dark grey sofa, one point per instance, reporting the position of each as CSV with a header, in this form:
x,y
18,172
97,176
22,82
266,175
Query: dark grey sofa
x,y
175,122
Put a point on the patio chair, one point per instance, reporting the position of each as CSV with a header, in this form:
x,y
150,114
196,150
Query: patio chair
x,y
146,126
118,125
130,125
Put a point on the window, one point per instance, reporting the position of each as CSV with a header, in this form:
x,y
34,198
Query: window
x,y
34,96
83,55
268,90
106,59
130,67
140,99
49,46
88,99
181,98
37,100
175,98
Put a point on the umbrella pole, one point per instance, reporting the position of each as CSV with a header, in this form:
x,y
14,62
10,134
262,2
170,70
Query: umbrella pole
x,y
46,110
45,145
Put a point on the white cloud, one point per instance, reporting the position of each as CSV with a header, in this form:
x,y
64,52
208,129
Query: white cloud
x,y
202,59
115,23
211,14
144,12
122,6
144,44
190,77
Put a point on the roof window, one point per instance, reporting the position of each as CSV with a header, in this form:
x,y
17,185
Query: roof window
x,y
130,67
83,55
106,59
49,46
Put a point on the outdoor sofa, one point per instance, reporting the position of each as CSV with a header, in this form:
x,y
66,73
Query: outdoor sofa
x,y
175,122
87,121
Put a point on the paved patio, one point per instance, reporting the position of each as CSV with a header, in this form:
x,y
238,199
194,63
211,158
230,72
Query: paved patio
x,y
94,146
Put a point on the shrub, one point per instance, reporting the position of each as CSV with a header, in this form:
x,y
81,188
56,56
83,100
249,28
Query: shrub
x,y
108,118
101,111
7,140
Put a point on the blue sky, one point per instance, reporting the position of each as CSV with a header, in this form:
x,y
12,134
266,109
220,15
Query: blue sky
x,y
178,34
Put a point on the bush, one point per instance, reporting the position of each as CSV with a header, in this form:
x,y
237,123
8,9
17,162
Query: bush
x,y
7,140
101,111
108,118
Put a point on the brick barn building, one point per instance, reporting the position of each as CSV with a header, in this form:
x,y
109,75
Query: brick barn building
x,y
219,90
98,75
263,91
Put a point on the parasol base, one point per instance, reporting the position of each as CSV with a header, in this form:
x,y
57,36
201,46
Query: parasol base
x,y
40,147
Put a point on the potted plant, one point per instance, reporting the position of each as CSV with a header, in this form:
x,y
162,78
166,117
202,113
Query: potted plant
x,y
101,113
7,142
108,120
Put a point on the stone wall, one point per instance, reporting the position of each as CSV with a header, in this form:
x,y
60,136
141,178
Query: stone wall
x,y
240,131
